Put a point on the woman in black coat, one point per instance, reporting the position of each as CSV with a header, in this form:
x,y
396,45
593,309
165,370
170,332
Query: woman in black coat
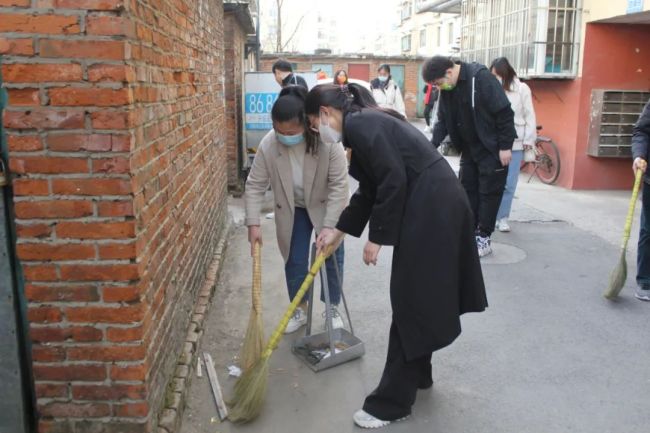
x,y
414,202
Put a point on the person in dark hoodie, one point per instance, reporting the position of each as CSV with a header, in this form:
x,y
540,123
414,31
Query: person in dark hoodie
x,y
475,111
410,198
640,153
284,75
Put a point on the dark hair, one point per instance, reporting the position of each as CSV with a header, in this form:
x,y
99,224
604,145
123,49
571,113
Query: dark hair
x,y
504,69
436,67
336,76
385,67
290,106
282,65
349,98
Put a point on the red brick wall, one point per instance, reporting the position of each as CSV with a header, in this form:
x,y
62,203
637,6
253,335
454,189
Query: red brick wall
x,y
234,41
411,71
114,124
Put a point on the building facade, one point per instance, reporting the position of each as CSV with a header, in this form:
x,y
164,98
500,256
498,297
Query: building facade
x,y
425,33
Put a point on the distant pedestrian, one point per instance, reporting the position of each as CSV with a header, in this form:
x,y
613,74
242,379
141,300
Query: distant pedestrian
x,y
341,77
386,91
430,98
310,188
475,111
410,199
641,153
521,102
284,75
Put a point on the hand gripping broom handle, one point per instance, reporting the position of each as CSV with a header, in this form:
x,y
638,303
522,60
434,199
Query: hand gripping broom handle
x,y
630,211
277,334
257,278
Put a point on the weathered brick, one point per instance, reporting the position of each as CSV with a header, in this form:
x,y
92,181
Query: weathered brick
x,y
121,294
88,373
117,165
129,314
53,209
51,390
94,186
44,119
110,120
30,187
48,354
108,230
38,73
49,293
82,96
107,353
121,335
44,314
99,272
15,3
40,272
130,372
81,334
24,97
75,410
109,25
24,143
113,392
115,208
47,251
106,50
99,5
44,24
117,251
140,409
27,231
112,73
48,165
88,142
16,47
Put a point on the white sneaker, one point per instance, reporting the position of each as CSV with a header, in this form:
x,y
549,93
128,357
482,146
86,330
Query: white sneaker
x,y
337,320
427,129
296,322
503,226
364,420
270,215
483,245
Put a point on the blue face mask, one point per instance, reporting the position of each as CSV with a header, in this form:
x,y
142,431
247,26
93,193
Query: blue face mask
x,y
289,140
383,78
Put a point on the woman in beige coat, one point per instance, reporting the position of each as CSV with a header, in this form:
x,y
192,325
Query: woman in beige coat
x,y
310,188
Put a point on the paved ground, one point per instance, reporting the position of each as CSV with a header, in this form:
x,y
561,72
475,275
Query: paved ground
x,y
549,355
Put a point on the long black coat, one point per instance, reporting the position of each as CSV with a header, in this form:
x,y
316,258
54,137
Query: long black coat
x,y
414,202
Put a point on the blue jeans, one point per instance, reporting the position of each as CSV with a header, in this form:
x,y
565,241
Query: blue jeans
x,y
643,253
511,184
297,265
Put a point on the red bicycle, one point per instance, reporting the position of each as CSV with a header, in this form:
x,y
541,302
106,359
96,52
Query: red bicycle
x,y
547,159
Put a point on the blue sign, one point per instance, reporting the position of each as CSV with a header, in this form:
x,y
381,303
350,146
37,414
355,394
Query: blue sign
x,y
258,108
634,6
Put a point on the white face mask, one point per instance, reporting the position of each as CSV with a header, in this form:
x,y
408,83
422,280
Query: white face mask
x,y
328,134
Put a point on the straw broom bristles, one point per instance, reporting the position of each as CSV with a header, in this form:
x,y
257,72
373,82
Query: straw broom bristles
x,y
254,340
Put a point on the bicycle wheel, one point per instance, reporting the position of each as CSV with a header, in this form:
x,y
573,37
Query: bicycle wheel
x,y
547,162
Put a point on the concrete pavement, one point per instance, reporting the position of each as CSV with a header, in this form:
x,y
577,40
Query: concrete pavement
x,y
549,355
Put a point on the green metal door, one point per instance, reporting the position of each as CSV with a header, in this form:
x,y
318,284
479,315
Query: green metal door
x,y
17,407
397,72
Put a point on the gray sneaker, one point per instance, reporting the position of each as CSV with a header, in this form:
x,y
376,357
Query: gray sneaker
x,y
337,321
642,294
484,245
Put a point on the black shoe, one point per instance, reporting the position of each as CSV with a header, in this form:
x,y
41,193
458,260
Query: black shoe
x,y
425,384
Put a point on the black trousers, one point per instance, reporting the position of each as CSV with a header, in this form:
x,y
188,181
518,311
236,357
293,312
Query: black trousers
x,y
399,383
427,114
484,180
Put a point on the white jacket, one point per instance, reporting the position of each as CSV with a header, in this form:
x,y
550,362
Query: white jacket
x,y
521,102
390,96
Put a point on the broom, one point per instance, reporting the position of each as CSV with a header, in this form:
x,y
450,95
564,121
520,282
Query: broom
x,y
619,274
254,340
251,386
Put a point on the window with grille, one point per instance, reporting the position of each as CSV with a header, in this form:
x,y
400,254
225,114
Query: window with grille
x,y
539,37
423,38
406,43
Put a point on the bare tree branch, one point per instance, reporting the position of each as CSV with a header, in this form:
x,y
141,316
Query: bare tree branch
x,y
294,31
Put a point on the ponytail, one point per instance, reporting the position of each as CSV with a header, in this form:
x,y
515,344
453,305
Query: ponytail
x,y
348,98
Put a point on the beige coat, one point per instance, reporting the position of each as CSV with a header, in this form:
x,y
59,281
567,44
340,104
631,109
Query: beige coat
x,y
325,182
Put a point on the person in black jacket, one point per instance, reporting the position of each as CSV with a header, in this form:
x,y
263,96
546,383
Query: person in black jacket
x,y
413,201
640,153
284,75
475,111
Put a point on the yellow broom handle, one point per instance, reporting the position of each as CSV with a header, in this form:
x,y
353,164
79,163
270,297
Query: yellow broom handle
x,y
277,334
630,211
257,278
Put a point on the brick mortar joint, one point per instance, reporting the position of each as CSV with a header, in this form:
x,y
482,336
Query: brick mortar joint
x,y
211,281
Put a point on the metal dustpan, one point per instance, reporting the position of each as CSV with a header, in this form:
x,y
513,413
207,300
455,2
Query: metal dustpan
x,y
334,346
